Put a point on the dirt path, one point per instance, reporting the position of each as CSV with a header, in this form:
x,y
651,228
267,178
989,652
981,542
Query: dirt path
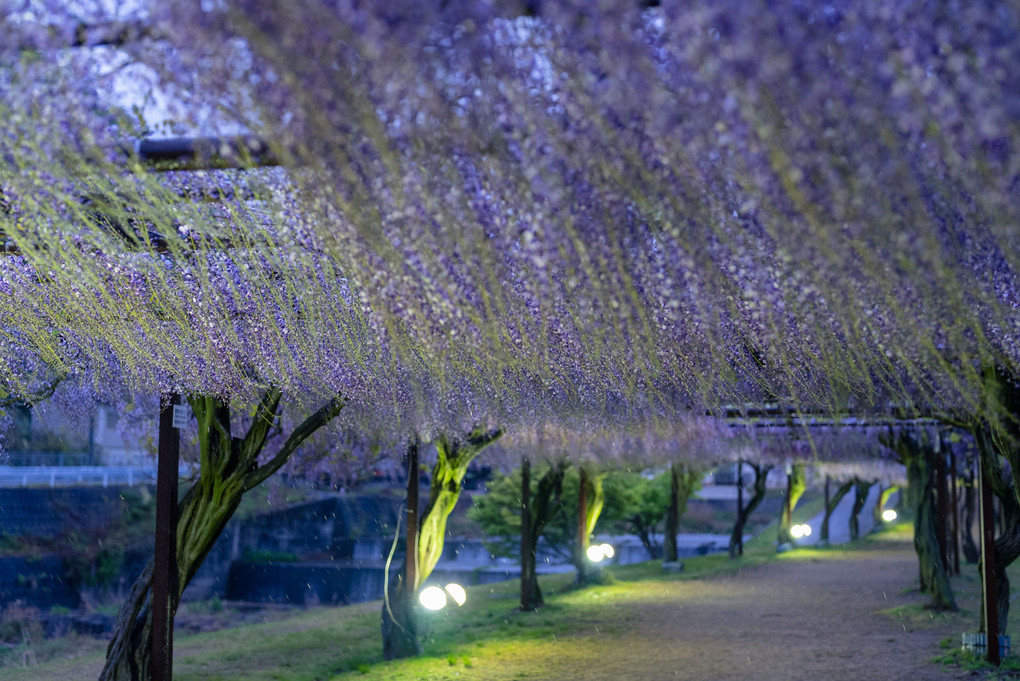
x,y
814,620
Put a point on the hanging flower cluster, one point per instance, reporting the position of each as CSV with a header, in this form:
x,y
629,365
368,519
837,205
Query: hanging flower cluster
x,y
596,213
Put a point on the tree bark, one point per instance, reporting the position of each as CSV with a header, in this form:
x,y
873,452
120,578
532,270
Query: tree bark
x,y
942,505
917,452
681,485
228,468
546,503
795,485
876,510
760,474
400,622
863,487
529,581
581,540
883,499
955,517
590,499
669,553
740,505
452,460
1007,544
400,637
830,507
970,549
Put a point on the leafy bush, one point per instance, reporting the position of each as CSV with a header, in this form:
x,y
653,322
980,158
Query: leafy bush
x,y
264,556
20,631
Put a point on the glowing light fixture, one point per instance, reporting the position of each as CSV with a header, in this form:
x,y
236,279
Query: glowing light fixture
x,y
432,598
457,593
798,531
596,554
607,550
888,515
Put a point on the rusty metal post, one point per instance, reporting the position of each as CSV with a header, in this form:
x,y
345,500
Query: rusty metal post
x,y
988,584
165,579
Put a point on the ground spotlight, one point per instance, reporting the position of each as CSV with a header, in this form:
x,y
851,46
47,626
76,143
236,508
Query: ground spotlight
x,y
798,531
457,593
596,554
888,515
432,598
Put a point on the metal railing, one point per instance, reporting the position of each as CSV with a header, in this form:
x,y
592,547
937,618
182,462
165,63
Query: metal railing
x,y
47,458
72,476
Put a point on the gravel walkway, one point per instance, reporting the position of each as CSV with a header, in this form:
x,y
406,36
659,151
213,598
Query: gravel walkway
x,y
818,619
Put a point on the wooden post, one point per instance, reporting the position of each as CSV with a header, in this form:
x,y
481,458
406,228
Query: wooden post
x,y
740,503
942,508
828,480
582,525
411,571
526,535
669,552
955,518
787,519
165,579
988,565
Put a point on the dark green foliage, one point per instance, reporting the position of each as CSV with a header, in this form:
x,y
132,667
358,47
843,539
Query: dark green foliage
x,y
262,556
640,503
498,511
92,543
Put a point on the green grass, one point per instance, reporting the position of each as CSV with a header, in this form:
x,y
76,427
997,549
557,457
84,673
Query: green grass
x,y
488,635
975,664
339,643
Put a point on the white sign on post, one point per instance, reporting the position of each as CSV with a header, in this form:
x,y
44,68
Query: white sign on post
x,y
181,412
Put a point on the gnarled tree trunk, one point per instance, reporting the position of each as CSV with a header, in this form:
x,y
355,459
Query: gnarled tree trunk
x,y
796,484
917,452
883,499
830,507
590,500
682,480
970,548
399,620
1007,544
228,468
761,472
543,507
862,489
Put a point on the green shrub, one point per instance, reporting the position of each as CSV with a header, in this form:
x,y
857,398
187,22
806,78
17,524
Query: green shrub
x,y
261,556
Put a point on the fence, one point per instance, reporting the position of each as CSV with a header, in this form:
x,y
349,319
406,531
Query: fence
x,y
45,458
70,476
